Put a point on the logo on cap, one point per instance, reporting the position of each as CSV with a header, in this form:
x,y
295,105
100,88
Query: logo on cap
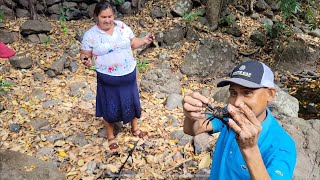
x,y
243,67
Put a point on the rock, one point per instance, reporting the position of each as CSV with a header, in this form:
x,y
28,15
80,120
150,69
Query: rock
x,y
39,124
211,59
37,76
20,13
203,142
78,139
259,38
55,137
162,79
261,5
174,101
203,174
15,165
73,66
164,56
182,7
23,111
142,23
51,103
35,27
234,30
45,151
182,138
315,33
58,65
157,12
297,57
92,165
1,107
172,121
14,128
75,88
213,13
192,35
33,38
116,129
21,61
174,35
38,94
125,8
306,137
89,95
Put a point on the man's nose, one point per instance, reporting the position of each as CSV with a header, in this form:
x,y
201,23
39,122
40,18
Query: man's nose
x,y
238,101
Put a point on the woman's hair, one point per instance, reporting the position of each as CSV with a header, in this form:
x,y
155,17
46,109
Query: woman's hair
x,y
102,5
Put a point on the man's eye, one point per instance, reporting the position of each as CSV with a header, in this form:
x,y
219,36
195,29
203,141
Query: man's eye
x,y
233,93
248,93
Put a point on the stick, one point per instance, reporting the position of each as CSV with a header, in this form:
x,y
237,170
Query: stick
x,y
122,166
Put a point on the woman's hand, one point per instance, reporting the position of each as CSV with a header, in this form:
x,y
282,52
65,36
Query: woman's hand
x,y
148,39
86,61
246,126
85,57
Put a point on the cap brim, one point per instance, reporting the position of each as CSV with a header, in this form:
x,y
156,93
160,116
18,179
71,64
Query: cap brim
x,y
239,81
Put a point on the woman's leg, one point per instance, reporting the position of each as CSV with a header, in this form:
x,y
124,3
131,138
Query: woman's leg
x,y
135,129
113,146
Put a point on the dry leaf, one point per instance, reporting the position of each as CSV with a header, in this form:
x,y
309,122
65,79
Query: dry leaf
x,y
205,161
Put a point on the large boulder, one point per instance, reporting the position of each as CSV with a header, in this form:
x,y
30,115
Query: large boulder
x,y
306,136
298,57
211,59
15,165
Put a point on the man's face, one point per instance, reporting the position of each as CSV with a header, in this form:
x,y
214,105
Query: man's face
x,y
256,99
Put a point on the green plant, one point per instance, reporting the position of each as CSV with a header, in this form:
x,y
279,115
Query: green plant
x,y
310,15
4,84
227,20
1,16
289,7
276,29
189,17
63,20
142,65
118,2
47,41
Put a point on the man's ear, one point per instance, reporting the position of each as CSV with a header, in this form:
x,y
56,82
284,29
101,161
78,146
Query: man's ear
x,y
271,94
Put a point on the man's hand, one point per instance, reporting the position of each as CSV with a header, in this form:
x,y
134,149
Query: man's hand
x,y
246,126
193,106
86,61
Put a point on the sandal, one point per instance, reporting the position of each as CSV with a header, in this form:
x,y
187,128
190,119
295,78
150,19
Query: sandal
x,y
113,145
139,133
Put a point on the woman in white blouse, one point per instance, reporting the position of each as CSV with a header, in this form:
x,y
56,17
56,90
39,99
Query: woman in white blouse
x,y
109,44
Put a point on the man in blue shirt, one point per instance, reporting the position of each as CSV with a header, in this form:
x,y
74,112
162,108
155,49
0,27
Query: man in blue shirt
x,y
251,144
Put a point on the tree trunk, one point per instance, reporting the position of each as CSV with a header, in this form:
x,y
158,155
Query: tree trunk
x,y
213,13
32,10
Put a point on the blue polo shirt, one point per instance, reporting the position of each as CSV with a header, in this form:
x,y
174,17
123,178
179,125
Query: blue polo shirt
x,y
277,149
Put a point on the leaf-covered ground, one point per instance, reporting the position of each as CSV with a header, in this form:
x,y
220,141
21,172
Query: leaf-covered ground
x,y
159,156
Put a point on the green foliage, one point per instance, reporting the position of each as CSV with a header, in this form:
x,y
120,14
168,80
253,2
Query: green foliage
x,y
118,2
1,16
276,29
63,20
142,65
48,40
310,15
4,84
189,17
227,20
289,8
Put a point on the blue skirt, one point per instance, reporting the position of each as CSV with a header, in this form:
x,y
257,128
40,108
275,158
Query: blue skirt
x,y
117,98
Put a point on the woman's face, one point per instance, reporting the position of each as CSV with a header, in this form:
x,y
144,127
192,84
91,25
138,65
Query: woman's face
x,y
106,19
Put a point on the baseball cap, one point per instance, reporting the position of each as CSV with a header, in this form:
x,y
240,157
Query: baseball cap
x,y
251,74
